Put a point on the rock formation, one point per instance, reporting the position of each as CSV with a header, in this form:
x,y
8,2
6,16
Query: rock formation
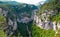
x,y
44,22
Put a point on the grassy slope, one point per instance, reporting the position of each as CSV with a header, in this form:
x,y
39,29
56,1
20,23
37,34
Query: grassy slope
x,y
37,32
56,17
2,34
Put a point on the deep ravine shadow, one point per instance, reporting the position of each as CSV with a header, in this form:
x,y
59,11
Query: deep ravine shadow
x,y
22,28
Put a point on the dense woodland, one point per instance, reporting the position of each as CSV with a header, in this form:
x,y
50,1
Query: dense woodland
x,y
51,5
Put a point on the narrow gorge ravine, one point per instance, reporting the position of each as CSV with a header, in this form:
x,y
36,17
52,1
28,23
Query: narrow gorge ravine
x,y
29,32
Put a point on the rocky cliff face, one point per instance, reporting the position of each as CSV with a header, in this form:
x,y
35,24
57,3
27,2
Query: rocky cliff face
x,y
44,21
13,17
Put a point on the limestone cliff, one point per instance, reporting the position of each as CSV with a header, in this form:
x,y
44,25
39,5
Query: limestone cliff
x,y
44,22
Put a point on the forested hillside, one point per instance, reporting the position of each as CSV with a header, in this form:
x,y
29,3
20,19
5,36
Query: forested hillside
x,y
22,20
52,10
50,5
9,13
